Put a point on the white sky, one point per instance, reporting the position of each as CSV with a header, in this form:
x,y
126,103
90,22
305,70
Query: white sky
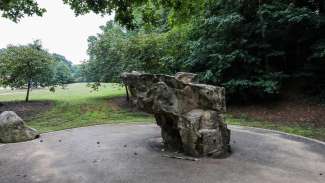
x,y
59,30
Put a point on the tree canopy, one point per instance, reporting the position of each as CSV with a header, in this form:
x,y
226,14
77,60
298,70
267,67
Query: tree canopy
x,y
124,10
252,48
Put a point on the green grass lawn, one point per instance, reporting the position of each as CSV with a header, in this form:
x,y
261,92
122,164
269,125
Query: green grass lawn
x,y
306,130
76,106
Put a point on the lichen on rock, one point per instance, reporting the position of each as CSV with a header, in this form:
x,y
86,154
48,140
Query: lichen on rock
x,y
190,115
13,129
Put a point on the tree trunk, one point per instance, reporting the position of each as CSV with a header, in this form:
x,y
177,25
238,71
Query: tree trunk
x,y
28,89
127,93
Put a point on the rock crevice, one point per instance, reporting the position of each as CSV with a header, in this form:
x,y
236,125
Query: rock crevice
x,y
190,114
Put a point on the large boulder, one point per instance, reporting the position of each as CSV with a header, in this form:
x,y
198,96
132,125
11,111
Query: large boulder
x,y
13,129
190,115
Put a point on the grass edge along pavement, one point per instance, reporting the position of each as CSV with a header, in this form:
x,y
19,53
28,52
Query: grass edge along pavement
x,y
79,106
305,130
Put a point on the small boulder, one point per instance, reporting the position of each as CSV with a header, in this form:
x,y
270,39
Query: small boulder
x,y
13,129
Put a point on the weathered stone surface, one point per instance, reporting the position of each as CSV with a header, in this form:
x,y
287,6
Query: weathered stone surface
x,y
13,129
190,115
186,77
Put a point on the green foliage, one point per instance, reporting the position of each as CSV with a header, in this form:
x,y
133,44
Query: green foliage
x,y
151,11
62,74
105,51
250,47
17,9
174,10
63,70
143,53
21,64
77,74
116,50
122,9
61,59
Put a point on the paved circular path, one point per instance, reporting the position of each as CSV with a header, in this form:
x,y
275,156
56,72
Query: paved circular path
x,y
124,154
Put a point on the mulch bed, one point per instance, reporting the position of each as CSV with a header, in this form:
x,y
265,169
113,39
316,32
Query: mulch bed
x,y
284,111
26,110
118,103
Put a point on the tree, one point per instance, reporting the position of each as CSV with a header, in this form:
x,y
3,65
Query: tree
x,y
62,74
62,59
29,66
77,74
63,69
106,55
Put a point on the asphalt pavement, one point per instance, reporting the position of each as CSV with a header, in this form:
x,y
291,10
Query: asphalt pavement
x,y
132,154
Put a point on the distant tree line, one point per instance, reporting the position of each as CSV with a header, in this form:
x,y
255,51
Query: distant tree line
x,y
66,71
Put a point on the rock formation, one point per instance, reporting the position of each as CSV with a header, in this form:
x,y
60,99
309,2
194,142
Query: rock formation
x,y
13,129
190,115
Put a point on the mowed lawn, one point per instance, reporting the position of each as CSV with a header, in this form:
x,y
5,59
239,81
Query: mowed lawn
x,y
75,106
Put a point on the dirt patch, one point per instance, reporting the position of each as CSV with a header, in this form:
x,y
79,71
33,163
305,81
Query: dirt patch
x,y
120,103
26,110
285,111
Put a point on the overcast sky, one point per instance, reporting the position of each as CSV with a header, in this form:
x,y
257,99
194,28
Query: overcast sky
x,y
60,31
